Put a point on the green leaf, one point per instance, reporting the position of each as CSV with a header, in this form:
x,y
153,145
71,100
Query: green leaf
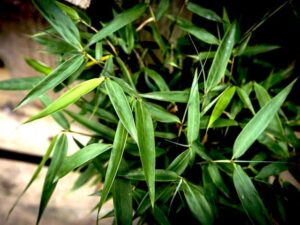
x,y
221,59
38,66
19,84
36,173
114,162
165,135
249,198
221,105
146,143
68,98
193,119
180,163
161,9
121,106
271,169
59,153
168,96
81,157
158,79
200,150
99,128
258,49
158,113
217,178
118,22
259,122
198,32
72,13
204,12
245,99
197,203
160,216
160,175
57,116
55,78
59,21
218,123
122,198
125,72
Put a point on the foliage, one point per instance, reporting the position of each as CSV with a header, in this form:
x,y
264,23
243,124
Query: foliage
x,y
179,128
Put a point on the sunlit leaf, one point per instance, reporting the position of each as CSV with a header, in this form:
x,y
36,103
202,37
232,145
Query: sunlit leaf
x,y
158,113
38,66
168,96
158,79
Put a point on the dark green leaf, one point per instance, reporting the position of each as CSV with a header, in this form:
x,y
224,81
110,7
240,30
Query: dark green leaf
x,y
217,178
19,84
158,79
245,99
160,216
258,49
161,9
272,169
203,12
180,163
249,197
160,175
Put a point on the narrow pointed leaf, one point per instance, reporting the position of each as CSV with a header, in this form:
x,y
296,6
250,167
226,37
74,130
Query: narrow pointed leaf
x,y
217,178
158,79
158,113
121,106
180,163
161,9
197,203
249,197
38,66
259,122
221,59
271,170
146,143
168,96
204,12
99,128
68,98
258,49
245,99
165,135
193,119
221,105
160,175
19,84
59,21
57,76
81,157
160,216
114,161
119,21
59,153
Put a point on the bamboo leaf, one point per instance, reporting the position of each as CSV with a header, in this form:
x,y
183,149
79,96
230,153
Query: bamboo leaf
x,y
249,197
158,113
168,96
193,119
81,157
19,84
121,106
259,122
146,143
118,22
221,105
114,162
245,99
160,216
217,178
59,153
258,49
62,72
158,79
180,163
165,135
204,12
38,66
59,21
161,9
68,98
221,59
99,128
271,169
198,32
197,203
160,175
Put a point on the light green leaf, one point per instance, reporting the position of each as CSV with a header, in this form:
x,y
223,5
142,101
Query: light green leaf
x,y
68,98
221,105
217,178
38,66
19,84
218,123
259,122
125,86
258,49
121,106
193,119
165,135
245,99
158,79
59,21
119,21
158,113
196,31
62,72
36,173
180,163
197,203
81,157
161,9
204,12
272,169
99,128
160,175
114,162
72,13
168,96
249,197
146,143
221,59
59,153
